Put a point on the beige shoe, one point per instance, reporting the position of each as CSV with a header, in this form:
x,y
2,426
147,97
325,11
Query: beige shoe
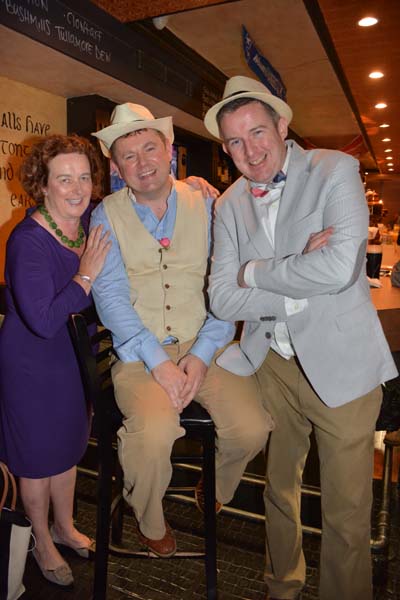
x,y
62,575
83,552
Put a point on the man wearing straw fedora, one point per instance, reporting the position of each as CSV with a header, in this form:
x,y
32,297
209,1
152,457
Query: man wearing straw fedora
x,y
150,295
289,261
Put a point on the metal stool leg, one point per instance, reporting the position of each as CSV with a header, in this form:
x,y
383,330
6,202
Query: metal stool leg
x,y
210,522
104,492
117,517
380,543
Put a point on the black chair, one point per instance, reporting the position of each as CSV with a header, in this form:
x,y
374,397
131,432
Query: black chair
x,y
93,352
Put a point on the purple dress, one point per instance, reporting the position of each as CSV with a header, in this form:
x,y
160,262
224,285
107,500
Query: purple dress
x,y
44,423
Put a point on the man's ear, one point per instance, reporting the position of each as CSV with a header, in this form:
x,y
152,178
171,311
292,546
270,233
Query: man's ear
x,y
224,148
168,147
282,128
114,167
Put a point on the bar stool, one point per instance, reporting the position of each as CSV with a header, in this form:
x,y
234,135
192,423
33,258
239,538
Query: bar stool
x,y
93,348
389,421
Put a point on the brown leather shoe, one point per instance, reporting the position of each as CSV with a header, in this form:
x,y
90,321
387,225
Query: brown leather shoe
x,y
199,498
163,548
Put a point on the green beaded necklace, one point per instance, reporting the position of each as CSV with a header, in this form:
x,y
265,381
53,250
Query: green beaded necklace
x,y
65,240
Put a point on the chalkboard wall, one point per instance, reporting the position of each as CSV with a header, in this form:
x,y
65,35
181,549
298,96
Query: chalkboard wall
x,y
137,54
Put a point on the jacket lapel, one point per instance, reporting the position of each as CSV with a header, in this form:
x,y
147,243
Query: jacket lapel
x,y
254,228
296,180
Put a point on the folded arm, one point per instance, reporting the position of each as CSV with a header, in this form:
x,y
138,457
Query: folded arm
x,y
335,266
227,299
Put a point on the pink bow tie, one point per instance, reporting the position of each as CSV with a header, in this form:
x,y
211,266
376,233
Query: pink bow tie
x,y
277,182
258,192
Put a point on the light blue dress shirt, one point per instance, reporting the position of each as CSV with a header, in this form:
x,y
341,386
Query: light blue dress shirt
x,y
111,291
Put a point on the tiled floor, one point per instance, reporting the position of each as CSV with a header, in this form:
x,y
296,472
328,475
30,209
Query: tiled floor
x,y
240,562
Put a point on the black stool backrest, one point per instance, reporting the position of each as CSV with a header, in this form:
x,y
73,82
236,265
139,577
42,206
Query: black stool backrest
x,y
93,348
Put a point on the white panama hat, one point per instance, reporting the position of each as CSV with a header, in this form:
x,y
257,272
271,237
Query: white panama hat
x,y
245,87
129,117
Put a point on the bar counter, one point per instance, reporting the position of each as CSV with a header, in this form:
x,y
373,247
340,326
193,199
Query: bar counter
x,y
387,302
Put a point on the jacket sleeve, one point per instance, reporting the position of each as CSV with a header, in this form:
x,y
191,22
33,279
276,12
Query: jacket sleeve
x,y
43,308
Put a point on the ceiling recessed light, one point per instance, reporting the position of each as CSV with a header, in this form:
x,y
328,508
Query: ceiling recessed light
x,y
386,140
367,22
384,125
389,157
389,165
380,105
388,150
375,75
390,169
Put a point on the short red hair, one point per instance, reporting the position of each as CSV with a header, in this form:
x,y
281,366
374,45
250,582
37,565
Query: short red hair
x,y
34,170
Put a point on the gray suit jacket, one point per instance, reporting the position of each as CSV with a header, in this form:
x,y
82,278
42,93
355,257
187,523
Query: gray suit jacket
x,y
338,338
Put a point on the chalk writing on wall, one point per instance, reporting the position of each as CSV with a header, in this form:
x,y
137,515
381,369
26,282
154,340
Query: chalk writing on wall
x,y
64,28
26,115
12,153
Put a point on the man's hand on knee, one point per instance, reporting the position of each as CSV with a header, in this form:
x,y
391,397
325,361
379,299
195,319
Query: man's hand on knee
x,y
172,379
196,371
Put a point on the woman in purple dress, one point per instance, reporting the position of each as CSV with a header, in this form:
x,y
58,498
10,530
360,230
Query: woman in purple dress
x,y
50,267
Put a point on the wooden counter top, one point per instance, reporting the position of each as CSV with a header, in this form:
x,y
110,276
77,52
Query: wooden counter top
x,y
387,297
387,302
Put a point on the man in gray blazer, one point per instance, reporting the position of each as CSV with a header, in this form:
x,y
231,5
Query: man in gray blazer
x,y
289,261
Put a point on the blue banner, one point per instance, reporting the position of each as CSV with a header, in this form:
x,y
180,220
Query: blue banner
x,y
261,67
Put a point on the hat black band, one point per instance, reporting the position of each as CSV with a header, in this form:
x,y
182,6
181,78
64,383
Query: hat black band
x,y
235,93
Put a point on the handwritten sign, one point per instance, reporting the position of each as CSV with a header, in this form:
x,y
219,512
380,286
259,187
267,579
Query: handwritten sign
x,y
26,115
84,33
132,54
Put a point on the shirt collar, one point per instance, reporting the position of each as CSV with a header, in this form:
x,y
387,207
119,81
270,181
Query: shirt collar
x,y
172,193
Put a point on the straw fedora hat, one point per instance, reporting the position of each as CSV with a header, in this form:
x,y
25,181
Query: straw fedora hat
x,y
245,87
129,117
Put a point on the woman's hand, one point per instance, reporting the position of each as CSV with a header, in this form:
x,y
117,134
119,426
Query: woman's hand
x,y
198,183
92,260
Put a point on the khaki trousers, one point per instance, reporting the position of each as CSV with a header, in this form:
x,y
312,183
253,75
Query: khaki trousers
x,y
151,425
345,439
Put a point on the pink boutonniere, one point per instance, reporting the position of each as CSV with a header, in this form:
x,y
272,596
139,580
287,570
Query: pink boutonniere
x,y
165,243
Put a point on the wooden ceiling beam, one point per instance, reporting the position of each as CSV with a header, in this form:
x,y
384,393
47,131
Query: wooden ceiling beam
x,y
136,10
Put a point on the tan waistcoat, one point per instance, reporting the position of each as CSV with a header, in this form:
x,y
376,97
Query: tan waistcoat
x,y
166,285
